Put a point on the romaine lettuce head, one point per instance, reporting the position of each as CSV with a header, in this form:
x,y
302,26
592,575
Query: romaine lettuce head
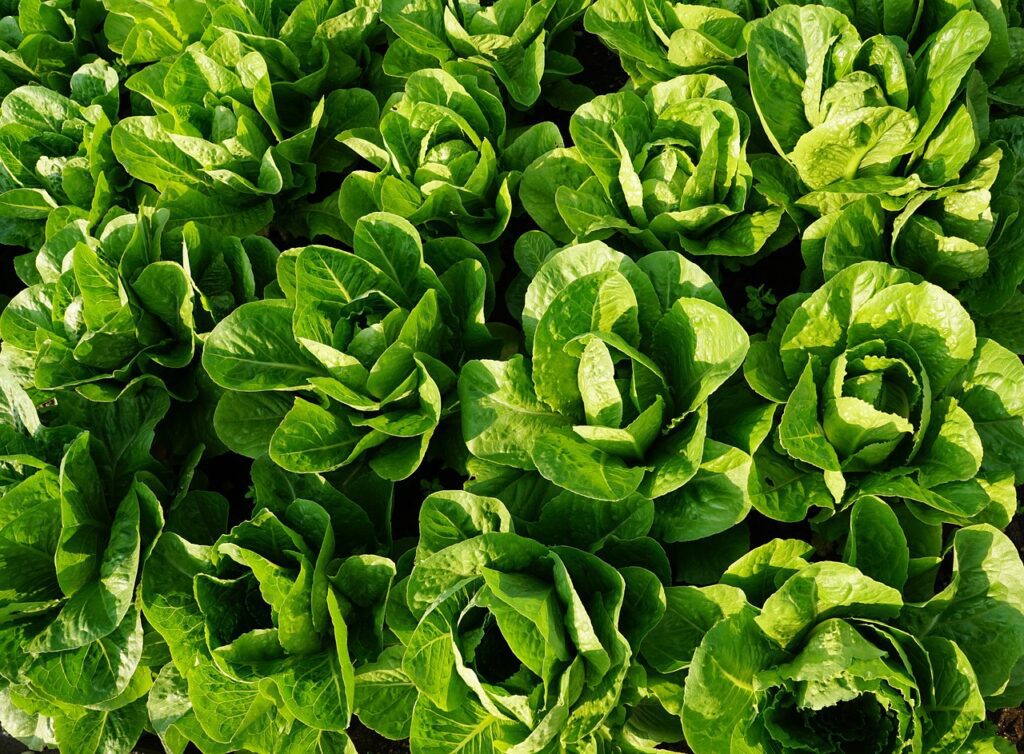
x,y
304,43
130,300
949,235
244,136
80,510
357,360
269,618
46,42
508,641
447,165
666,171
657,40
55,155
889,134
916,20
887,390
825,658
865,113
521,43
1007,91
615,398
995,298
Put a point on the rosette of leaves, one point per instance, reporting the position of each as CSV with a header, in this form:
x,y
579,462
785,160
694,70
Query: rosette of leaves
x,y
916,20
926,205
109,308
521,43
56,164
236,131
76,526
614,400
995,299
667,171
867,115
950,235
265,623
43,42
657,40
447,163
304,43
509,643
799,656
887,390
357,360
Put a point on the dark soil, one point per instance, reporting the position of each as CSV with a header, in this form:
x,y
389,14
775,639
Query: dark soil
x,y
9,282
368,742
9,745
1010,723
602,70
1015,531
681,747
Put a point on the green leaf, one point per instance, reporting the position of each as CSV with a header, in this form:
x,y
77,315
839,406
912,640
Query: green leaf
x,y
699,345
253,349
588,524
876,544
102,732
764,569
29,532
690,614
715,499
246,422
821,591
978,604
449,517
385,695
948,58
84,518
501,417
719,692
469,729
578,466
311,438
932,322
95,610
96,672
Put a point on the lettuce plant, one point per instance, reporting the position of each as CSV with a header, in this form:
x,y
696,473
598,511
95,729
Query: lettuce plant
x,y
657,40
510,643
1007,91
668,171
111,307
822,657
78,523
368,340
890,140
447,164
224,149
44,42
521,43
55,158
270,617
614,401
867,115
994,298
915,21
303,43
948,235
887,390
